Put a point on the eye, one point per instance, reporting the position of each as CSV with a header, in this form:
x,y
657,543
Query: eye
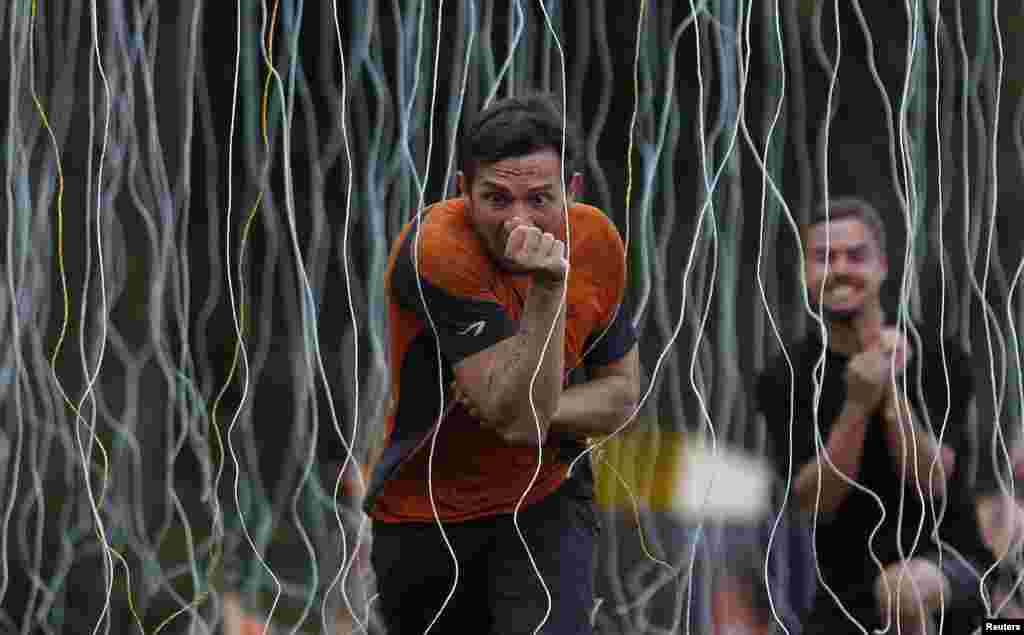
x,y
858,255
820,255
539,199
498,199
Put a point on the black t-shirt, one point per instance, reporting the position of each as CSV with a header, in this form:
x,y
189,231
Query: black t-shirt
x,y
842,541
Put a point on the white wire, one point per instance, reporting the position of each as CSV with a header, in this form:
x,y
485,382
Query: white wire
x,y
433,326
765,179
235,316
344,569
562,305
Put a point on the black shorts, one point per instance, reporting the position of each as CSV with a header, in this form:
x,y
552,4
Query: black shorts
x,y
498,590
964,608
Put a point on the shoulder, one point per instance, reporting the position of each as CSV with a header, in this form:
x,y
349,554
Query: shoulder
x,y
596,249
773,374
946,356
443,236
597,261
592,231
441,247
774,379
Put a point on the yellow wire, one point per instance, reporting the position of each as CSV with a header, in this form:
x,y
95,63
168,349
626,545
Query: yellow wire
x,y
60,215
266,84
67,300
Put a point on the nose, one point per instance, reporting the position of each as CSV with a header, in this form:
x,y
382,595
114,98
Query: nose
x,y
514,220
838,264
525,212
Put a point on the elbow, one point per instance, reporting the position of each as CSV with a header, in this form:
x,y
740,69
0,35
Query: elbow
x,y
811,506
623,417
524,424
820,498
933,476
942,470
936,487
632,398
628,402
948,458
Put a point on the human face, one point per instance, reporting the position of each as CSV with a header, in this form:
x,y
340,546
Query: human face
x,y
525,190
856,268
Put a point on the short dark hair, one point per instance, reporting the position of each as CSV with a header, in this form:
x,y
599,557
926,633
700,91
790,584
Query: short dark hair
x,y
850,208
515,127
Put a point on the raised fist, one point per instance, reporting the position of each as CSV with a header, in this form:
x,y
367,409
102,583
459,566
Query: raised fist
x,y
893,343
536,252
870,371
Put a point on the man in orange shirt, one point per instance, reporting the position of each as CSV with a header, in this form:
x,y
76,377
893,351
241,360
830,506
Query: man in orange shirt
x,y
486,303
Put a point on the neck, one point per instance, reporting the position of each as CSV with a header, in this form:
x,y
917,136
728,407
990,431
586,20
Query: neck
x,y
849,337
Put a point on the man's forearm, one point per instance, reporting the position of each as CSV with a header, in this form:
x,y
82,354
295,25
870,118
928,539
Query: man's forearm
x,y
845,446
508,402
916,448
595,408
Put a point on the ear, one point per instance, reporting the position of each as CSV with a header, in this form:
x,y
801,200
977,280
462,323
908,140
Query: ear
x,y
575,187
460,181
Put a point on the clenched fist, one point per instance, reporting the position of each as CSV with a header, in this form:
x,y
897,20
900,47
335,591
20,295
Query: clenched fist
x,y
536,252
869,372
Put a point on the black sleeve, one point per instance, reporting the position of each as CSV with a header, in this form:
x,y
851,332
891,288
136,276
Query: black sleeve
x,y
468,320
606,346
772,399
961,391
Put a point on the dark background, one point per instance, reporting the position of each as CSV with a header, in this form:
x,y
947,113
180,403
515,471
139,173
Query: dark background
x,y
177,185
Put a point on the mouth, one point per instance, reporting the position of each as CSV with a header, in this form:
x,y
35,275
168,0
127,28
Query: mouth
x,y
842,293
842,296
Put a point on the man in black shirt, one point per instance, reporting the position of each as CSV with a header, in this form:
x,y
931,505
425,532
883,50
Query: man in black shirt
x,y
891,415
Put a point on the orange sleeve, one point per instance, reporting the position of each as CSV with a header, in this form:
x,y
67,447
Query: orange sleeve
x,y
447,260
449,286
600,257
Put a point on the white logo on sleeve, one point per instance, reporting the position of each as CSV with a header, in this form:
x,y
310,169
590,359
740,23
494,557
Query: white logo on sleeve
x,y
476,328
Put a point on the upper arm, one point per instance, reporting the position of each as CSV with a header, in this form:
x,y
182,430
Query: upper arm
x,y
613,352
610,343
611,349
764,389
626,368
450,291
790,445
957,400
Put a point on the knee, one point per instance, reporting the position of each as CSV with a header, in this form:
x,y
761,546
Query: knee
x,y
907,589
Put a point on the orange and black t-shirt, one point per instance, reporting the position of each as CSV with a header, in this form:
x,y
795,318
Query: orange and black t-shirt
x,y
454,289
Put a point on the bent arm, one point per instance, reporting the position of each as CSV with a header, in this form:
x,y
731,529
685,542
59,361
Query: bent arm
x,y
601,405
914,449
845,447
498,379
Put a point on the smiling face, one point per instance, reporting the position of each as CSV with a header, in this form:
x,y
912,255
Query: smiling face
x,y
525,190
856,268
